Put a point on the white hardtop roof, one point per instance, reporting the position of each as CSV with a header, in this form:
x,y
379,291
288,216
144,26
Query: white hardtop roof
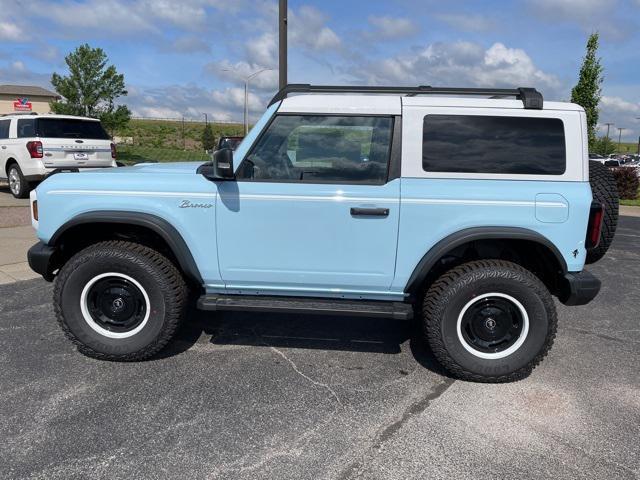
x,y
392,104
47,115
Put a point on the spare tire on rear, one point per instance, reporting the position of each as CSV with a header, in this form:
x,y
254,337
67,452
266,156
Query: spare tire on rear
x,y
605,191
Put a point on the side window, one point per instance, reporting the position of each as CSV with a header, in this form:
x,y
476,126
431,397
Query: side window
x,y
321,149
491,144
4,129
26,127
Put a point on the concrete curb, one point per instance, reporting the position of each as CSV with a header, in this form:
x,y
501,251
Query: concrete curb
x,y
629,211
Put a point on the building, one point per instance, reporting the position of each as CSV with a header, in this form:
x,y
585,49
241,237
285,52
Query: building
x,y
25,98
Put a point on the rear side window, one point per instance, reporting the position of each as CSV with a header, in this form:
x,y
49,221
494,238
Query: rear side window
x,y
26,127
71,128
4,129
491,144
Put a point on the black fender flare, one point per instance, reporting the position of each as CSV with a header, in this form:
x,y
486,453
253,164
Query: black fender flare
x,y
158,225
473,234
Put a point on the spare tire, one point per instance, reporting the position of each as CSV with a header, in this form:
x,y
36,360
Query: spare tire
x,y
605,191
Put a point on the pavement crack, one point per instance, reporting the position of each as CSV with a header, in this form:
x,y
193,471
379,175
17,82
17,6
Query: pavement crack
x,y
390,430
307,377
602,335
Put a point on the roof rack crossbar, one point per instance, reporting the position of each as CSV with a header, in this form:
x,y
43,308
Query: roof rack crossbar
x,y
531,98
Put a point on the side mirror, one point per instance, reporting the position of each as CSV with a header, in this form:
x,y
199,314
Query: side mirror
x,y
221,167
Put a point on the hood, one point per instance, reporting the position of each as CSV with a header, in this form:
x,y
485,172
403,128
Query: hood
x,y
177,167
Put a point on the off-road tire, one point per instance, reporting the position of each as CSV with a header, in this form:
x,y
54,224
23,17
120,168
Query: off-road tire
x,y
162,282
24,186
446,298
605,190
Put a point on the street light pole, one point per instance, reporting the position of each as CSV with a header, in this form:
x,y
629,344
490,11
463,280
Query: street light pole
x,y
620,129
608,127
246,79
282,28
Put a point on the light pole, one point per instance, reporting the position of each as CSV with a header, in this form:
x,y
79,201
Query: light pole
x,y
620,129
206,119
638,118
246,93
608,127
282,43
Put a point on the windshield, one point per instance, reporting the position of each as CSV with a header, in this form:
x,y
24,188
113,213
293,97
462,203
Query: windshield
x,y
71,128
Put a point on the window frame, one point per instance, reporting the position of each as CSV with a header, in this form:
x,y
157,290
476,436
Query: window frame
x,y
393,160
503,174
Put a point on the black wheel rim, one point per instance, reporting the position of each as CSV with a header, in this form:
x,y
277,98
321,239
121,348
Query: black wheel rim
x,y
116,304
492,324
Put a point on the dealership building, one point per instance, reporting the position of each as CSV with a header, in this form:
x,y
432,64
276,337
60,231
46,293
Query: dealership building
x,y
25,99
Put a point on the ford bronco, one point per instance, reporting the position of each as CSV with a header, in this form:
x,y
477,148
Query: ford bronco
x,y
466,209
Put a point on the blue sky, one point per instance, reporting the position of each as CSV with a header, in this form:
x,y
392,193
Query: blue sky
x,y
187,57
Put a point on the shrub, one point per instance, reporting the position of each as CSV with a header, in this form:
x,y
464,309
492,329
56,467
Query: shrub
x,y
628,183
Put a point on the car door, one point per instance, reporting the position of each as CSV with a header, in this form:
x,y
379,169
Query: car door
x,y
313,210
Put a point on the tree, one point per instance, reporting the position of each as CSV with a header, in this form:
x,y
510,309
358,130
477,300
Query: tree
x,y
588,91
208,140
603,146
91,88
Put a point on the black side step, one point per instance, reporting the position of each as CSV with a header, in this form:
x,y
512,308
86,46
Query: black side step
x,y
317,306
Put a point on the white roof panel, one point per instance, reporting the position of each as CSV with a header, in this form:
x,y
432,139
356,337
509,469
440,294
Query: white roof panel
x,y
344,104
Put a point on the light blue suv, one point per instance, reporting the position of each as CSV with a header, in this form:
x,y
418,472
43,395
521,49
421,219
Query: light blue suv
x,y
467,209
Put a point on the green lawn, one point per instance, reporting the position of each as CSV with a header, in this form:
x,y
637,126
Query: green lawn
x,y
130,154
167,140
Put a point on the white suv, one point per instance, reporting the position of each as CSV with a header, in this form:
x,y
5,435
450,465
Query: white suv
x,y
32,146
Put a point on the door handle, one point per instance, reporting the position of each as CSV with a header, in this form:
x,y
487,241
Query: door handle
x,y
369,212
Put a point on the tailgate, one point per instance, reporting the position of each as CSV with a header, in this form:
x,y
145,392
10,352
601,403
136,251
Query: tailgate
x,y
76,153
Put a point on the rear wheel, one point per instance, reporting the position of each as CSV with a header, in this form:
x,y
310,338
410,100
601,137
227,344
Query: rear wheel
x,y
18,185
119,300
489,321
605,191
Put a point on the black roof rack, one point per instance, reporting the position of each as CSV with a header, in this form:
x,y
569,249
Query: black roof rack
x,y
531,98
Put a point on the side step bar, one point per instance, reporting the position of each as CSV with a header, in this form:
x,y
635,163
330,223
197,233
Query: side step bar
x,y
316,306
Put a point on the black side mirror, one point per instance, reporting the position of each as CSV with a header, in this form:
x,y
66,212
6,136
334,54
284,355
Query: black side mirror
x,y
221,167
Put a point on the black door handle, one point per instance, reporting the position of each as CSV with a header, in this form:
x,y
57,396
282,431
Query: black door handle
x,y
370,212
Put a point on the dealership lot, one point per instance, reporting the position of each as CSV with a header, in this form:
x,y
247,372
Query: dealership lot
x,y
273,396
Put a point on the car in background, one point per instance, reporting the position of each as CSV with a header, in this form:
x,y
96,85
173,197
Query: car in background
x,y
612,163
231,142
33,146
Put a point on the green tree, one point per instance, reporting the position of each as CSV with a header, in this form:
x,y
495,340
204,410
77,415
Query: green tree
x,y
208,140
588,91
603,146
91,88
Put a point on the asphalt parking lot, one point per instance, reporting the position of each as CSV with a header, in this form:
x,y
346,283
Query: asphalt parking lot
x,y
273,396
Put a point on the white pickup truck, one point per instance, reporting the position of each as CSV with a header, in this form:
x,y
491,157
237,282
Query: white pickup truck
x,y
32,146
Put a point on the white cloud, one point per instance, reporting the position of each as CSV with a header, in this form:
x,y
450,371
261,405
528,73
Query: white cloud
x,y
617,104
466,22
11,32
460,64
386,27
307,28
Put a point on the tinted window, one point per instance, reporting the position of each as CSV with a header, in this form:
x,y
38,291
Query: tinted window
x,y
484,144
26,127
4,128
71,128
321,149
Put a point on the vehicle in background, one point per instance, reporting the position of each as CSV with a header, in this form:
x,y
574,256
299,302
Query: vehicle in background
x,y
595,156
33,146
612,163
229,142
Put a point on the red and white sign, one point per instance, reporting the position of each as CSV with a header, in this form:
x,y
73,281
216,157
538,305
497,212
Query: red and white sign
x,y
22,105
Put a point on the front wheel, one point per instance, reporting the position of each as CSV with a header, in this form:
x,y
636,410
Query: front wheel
x,y
489,321
119,300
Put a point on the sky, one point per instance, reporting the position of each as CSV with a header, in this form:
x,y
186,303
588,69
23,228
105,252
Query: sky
x,y
189,57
